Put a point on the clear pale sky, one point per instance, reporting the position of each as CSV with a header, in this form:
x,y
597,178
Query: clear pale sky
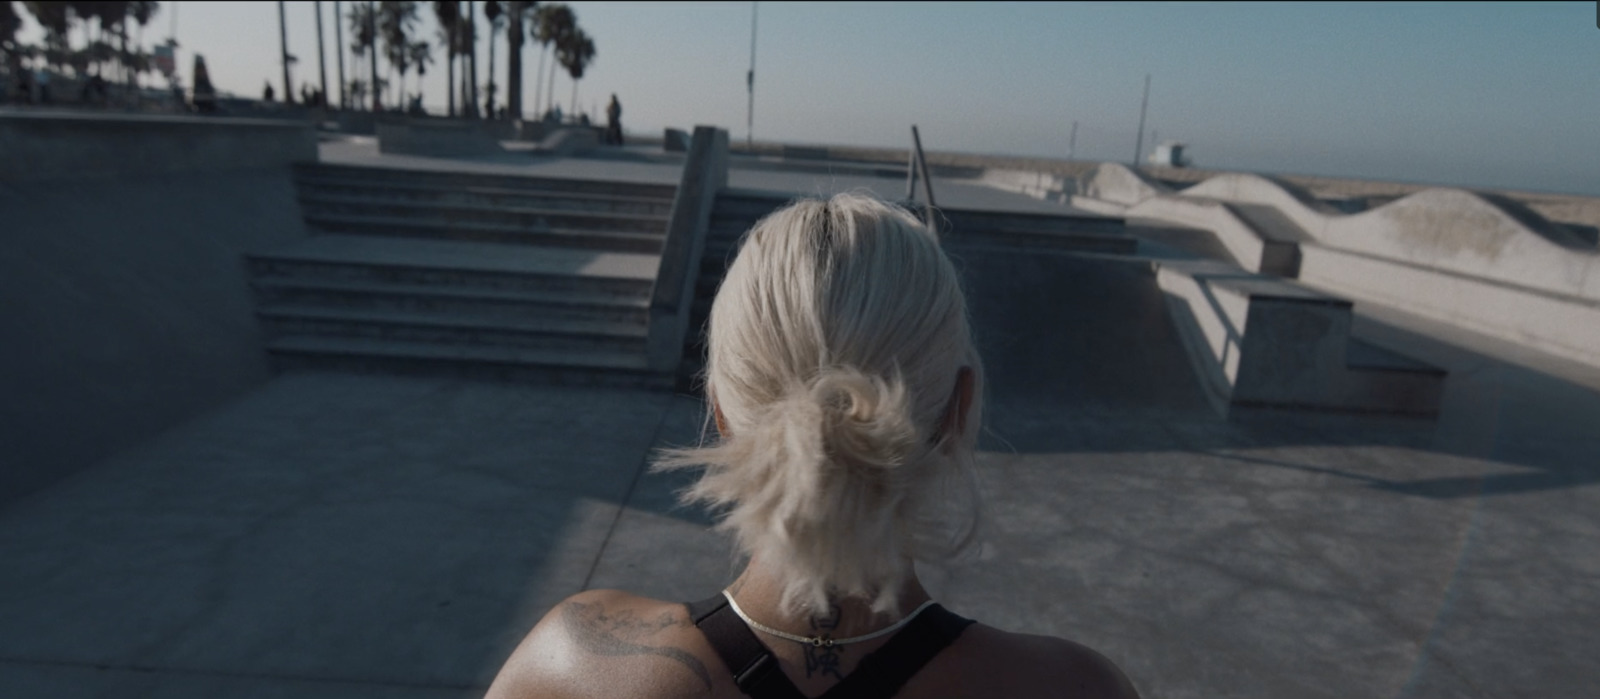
x,y
1492,95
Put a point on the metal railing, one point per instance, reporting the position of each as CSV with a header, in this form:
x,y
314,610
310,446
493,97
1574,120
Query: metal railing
x,y
919,164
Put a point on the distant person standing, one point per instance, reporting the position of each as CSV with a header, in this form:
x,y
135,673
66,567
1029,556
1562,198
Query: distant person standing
x,y
266,92
25,86
614,121
42,78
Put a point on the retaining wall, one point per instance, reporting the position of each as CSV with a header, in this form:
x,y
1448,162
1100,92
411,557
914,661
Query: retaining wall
x,y
127,306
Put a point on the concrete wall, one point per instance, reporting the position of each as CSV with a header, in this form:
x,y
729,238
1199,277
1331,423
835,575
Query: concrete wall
x,y
1562,325
705,172
36,146
437,138
127,308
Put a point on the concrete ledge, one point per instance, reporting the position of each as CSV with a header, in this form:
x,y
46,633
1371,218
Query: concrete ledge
x,y
1039,185
705,172
1568,326
570,140
53,146
450,138
1250,248
1098,206
1260,342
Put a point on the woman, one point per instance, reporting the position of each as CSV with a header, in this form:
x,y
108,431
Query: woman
x,y
844,384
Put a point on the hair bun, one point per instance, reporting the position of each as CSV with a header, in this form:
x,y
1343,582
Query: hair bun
x,y
866,420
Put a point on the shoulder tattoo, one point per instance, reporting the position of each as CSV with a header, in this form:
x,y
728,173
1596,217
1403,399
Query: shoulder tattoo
x,y
625,633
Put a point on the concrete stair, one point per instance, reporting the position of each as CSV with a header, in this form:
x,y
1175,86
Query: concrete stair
x,y
484,208
465,274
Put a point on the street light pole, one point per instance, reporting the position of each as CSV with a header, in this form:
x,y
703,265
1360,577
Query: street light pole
x,y
1138,144
283,38
322,57
750,83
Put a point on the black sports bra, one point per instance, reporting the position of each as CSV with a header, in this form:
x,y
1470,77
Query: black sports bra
x,y
879,675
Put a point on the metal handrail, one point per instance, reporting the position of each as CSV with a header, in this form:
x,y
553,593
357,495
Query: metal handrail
x,y
919,163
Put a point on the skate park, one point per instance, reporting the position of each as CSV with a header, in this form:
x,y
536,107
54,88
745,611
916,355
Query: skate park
x,y
294,416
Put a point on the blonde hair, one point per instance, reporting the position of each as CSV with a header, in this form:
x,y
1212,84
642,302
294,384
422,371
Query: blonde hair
x,y
834,346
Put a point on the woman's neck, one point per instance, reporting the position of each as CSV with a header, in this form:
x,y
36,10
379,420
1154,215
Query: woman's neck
x,y
758,591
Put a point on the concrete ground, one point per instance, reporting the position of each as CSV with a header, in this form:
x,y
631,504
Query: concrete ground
x,y
343,535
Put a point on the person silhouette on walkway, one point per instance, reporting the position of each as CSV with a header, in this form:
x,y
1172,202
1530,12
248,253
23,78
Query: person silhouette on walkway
x,y
614,121
266,93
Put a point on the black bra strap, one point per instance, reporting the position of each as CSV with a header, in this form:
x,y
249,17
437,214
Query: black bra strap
x,y
754,668
884,671
879,675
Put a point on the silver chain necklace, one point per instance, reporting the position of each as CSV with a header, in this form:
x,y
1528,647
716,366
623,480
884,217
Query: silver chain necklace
x,y
824,641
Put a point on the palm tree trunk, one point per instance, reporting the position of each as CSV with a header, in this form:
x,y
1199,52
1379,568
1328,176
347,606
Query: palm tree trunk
x,y
338,45
574,96
514,69
372,28
488,107
450,82
472,36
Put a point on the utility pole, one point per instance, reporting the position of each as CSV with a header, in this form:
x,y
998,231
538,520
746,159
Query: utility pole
x,y
322,57
750,83
283,38
1072,142
338,45
1138,144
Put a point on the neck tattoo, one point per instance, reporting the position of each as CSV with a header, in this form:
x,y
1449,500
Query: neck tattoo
x,y
824,659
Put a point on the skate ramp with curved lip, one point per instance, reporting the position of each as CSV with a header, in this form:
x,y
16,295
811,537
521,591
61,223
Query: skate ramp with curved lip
x,y
1477,260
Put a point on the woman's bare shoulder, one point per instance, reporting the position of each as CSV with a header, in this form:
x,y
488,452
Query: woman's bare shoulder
x,y
613,644
992,662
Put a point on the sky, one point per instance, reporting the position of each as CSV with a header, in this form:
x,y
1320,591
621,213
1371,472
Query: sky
x,y
1467,94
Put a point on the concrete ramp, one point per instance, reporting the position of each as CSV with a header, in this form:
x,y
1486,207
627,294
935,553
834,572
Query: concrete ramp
x,y
1075,335
1118,184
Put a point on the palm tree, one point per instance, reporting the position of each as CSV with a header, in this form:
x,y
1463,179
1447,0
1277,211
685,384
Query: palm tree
x,y
395,21
421,56
10,22
10,49
575,57
556,22
142,12
448,13
516,30
364,41
56,19
492,11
